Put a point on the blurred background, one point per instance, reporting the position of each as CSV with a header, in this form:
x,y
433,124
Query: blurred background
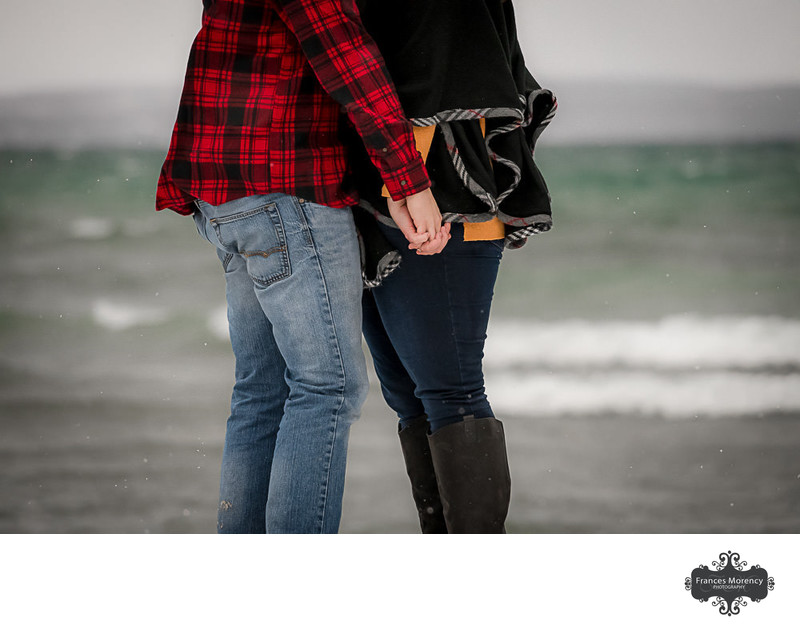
x,y
644,355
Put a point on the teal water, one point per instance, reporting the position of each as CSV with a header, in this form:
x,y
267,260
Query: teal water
x,y
639,231
643,231
642,234
111,351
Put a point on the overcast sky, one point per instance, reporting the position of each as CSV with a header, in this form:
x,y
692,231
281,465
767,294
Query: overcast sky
x,y
94,43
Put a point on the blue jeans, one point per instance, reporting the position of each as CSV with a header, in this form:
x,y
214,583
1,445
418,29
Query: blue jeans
x,y
293,286
426,327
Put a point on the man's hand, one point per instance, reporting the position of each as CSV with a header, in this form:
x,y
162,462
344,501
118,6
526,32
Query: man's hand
x,y
437,244
401,217
419,219
425,212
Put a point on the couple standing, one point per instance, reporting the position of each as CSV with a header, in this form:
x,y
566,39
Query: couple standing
x,y
310,170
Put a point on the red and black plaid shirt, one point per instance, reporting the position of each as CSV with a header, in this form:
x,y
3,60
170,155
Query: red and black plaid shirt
x,y
266,84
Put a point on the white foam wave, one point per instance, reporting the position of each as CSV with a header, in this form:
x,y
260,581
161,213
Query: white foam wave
x,y
675,342
218,323
679,366
117,316
713,394
91,228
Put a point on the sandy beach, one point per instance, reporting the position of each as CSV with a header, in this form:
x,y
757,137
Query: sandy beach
x,y
113,466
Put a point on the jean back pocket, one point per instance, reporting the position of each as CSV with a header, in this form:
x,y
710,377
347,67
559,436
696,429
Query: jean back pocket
x,y
259,237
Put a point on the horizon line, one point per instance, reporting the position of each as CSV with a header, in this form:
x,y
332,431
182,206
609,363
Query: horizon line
x,y
610,82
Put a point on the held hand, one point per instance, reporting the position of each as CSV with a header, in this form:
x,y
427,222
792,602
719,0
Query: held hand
x,y
401,217
420,221
425,212
437,244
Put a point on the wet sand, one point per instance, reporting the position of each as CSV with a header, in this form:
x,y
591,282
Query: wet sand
x,y
118,465
612,475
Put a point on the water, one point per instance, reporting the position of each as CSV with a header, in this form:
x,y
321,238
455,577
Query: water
x,y
643,232
666,296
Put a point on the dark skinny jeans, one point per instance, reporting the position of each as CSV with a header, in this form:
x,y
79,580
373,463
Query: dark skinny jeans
x,y
426,328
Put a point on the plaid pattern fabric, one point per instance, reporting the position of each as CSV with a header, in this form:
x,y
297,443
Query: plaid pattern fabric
x,y
266,85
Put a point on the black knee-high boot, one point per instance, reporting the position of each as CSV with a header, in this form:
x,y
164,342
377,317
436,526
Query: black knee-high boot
x,y
417,455
471,465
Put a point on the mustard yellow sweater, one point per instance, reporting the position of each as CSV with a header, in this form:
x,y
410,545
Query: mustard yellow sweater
x,y
484,231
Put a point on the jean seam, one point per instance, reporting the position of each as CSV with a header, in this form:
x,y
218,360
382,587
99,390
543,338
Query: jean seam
x,y
446,267
227,260
227,219
343,372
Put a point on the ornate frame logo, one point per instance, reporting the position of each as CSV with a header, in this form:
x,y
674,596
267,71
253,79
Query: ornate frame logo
x,y
729,583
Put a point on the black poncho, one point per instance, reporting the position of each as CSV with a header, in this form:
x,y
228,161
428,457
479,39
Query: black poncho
x,y
454,62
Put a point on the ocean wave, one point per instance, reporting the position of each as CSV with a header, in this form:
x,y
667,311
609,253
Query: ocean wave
x,y
218,323
100,228
674,342
678,366
91,228
706,394
118,316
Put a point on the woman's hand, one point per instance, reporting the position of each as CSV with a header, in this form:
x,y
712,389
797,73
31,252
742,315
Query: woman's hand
x,y
419,219
436,244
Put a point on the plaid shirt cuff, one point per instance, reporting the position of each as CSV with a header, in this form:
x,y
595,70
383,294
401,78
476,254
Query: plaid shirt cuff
x,y
411,179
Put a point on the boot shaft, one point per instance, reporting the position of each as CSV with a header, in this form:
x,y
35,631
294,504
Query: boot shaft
x,y
471,465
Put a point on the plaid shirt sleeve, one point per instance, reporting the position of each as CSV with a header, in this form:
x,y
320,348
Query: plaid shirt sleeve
x,y
349,67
